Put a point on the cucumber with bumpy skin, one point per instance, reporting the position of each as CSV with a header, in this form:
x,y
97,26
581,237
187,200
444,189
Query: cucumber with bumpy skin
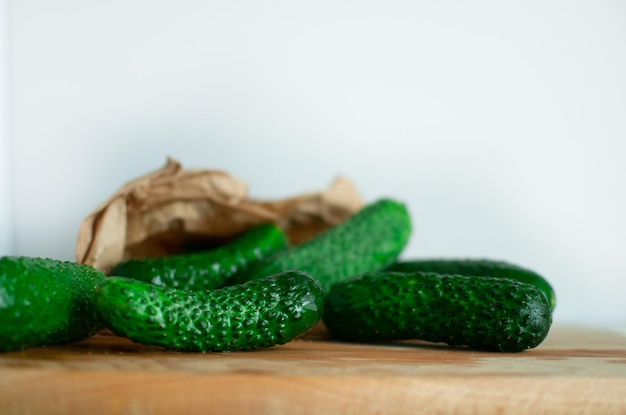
x,y
45,301
369,240
478,267
484,313
206,270
258,314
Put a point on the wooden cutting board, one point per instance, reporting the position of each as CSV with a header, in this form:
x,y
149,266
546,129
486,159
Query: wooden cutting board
x,y
575,371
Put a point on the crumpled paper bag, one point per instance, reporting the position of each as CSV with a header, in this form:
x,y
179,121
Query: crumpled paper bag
x,y
170,209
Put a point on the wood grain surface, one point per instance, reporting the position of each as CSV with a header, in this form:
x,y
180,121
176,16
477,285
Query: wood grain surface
x,y
575,371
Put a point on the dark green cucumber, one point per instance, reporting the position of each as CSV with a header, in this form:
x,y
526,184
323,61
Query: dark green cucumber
x,y
478,267
206,270
258,314
46,301
370,240
483,313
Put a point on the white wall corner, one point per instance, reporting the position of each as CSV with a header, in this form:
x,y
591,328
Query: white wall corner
x,y
7,226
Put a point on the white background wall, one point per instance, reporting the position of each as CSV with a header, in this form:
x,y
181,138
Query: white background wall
x,y
501,124
6,174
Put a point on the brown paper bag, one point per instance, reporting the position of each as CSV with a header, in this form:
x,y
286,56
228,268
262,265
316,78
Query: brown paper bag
x,y
170,209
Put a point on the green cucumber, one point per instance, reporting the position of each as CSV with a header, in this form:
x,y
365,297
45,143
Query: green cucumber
x,y
370,240
483,313
45,301
478,267
206,270
258,314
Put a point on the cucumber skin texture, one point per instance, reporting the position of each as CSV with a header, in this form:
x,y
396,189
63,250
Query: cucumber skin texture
x,y
370,240
45,301
483,313
478,267
258,314
209,269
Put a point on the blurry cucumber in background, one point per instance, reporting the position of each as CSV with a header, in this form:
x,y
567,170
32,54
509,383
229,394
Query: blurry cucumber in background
x,y
478,267
210,269
371,239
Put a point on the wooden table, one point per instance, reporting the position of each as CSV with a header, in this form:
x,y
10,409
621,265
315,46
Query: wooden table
x,y
575,371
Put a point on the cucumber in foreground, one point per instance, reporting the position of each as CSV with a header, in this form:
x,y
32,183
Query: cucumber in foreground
x,y
206,270
483,313
258,314
46,301
370,240
478,267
